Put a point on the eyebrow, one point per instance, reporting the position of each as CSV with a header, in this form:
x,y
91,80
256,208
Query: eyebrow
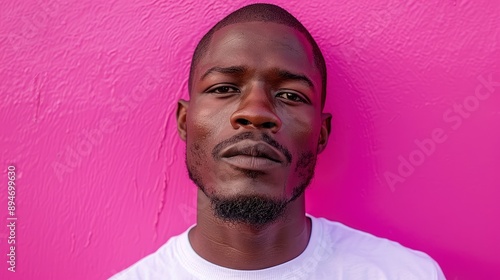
x,y
289,76
231,70
240,70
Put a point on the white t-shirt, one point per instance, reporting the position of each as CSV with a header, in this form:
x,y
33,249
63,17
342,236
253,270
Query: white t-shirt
x,y
334,251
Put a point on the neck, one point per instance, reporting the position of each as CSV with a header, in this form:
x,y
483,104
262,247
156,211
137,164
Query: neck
x,y
246,247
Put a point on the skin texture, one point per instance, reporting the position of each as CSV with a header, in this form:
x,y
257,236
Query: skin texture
x,y
241,98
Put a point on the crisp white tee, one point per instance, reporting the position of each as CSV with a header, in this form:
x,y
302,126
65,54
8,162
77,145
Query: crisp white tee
x,y
334,251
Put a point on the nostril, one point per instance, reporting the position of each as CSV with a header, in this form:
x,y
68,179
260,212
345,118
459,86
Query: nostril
x,y
256,122
268,125
243,121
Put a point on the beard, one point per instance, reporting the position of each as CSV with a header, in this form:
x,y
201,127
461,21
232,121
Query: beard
x,y
253,210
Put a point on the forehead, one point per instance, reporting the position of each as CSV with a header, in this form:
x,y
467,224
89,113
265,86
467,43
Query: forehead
x,y
260,46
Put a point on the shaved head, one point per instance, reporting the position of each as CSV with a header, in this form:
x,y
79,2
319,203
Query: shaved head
x,y
261,13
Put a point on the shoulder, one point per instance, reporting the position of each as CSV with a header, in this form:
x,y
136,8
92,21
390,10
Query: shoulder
x,y
362,251
154,265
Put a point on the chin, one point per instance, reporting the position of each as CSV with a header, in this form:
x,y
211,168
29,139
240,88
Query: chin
x,y
253,209
248,187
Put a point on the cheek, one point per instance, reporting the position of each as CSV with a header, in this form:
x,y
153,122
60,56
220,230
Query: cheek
x,y
304,130
204,124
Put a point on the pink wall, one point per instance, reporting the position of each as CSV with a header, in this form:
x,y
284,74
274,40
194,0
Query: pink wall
x,y
87,102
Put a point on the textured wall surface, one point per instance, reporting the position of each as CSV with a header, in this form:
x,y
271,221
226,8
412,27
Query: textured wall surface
x,y
88,96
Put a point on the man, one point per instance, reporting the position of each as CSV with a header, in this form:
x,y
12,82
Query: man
x,y
253,128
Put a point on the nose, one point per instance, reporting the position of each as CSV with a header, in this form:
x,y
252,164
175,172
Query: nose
x,y
256,110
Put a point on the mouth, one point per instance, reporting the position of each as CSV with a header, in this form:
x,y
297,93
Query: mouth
x,y
252,155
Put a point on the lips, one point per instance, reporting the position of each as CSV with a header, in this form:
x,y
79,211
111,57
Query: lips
x,y
252,155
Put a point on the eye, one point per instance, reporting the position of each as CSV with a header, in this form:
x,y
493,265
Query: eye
x,y
292,97
224,89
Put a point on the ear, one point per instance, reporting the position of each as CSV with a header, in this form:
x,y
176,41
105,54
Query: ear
x,y
325,131
182,108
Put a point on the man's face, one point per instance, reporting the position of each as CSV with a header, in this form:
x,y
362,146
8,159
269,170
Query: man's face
x,y
254,125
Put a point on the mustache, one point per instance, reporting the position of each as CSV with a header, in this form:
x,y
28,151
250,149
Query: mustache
x,y
252,136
